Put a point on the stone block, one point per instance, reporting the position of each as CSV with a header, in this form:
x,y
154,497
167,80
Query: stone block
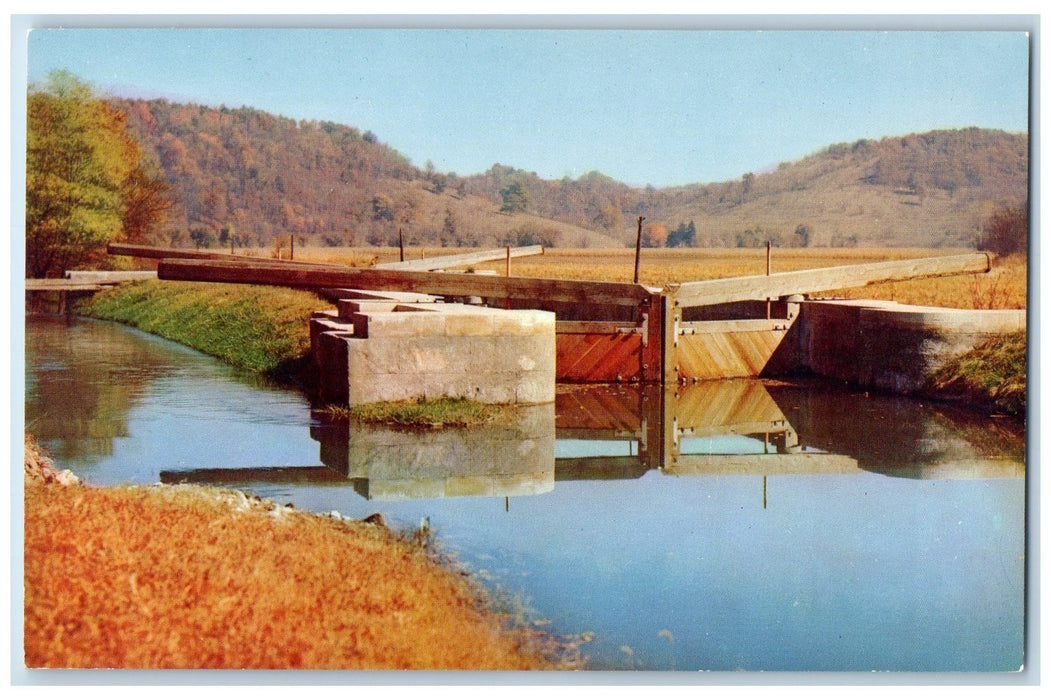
x,y
347,307
405,323
468,324
410,351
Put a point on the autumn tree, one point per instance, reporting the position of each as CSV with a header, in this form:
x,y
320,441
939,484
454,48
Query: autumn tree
x,y
86,182
802,235
202,237
654,235
1007,230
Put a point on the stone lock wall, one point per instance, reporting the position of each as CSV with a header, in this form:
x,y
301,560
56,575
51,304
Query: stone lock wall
x,y
391,351
890,346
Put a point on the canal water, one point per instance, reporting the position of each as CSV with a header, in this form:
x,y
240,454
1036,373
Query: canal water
x,y
739,525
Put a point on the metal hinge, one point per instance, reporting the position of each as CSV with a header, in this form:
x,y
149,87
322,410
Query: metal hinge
x,y
644,329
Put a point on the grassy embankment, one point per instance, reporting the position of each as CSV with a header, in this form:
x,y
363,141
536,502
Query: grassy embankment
x,y
993,375
262,329
249,585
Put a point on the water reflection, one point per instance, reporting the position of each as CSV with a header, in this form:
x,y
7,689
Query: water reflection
x,y
735,427
85,379
516,459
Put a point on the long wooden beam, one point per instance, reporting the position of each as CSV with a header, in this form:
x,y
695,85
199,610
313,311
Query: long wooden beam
x,y
288,274
824,279
156,253
61,285
442,262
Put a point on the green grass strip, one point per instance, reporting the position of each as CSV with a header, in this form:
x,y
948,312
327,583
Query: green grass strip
x,y
263,329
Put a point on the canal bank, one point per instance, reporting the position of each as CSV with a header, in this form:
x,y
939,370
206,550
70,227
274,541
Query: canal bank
x,y
250,585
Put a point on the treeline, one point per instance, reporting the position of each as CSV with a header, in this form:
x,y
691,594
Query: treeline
x,y
246,176
937,188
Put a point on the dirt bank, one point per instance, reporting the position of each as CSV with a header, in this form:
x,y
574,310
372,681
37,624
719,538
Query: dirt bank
x,y
186,577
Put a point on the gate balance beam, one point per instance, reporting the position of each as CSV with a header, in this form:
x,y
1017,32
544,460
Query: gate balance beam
x,y
155,253
442,262
289,274
824,279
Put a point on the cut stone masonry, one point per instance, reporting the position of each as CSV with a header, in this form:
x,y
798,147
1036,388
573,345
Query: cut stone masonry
x,y
374,349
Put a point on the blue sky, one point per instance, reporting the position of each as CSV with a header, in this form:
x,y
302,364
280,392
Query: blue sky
x,y
660,107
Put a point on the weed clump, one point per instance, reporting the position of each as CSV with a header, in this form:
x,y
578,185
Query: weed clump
x,y
993,374
420,413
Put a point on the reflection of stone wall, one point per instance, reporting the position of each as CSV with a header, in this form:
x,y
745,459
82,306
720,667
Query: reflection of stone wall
x,y
498,460
897,435
892,346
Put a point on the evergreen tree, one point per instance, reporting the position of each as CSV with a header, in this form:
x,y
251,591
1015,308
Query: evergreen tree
x,y
514,199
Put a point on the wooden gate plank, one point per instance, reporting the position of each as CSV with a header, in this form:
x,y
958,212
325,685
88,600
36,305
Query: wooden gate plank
x,y
598,358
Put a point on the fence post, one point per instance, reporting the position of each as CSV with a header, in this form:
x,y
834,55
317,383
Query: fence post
x,y
768,274
638,248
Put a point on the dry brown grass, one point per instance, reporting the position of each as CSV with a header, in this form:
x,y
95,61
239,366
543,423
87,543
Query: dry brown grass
x,y
194,578
1004,288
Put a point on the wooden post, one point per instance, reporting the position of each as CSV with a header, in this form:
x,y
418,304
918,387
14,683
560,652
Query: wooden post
x,y
401,247
507,273
638,248
768,274
652,315
670,317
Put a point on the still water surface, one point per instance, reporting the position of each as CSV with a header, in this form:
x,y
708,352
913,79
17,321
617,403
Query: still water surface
x,y
730,525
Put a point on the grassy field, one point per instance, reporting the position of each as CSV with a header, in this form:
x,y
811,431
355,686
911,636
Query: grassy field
x,y
1003,288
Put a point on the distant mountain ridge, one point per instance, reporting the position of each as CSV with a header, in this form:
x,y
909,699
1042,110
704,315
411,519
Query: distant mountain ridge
x,y
255,176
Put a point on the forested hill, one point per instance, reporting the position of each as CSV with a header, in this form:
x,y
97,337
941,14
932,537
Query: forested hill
x,y
250,175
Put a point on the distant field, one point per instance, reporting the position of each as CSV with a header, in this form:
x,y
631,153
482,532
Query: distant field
x,y
1003,288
